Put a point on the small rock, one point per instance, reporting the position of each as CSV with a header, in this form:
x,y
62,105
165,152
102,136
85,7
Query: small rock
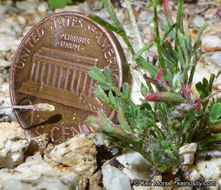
x,y
100,140
96,181
188,151
12,183
210,63
102,14
156,180
52,184
5,102
39,143
36,156
4,88
210,14
144,19
78,153
136,167
4,63
122,15
115,179
39,174
136,84
8,42
198,21
5,118
211,43
216,128
97,6
140,187
13,143
2,80
28,6
43,7
81,7
21,20
207,167
9,27
3,10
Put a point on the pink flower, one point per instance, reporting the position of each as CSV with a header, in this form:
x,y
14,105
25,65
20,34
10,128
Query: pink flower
x,y
186,91
166,6
155,97
218,13
198,104
159,74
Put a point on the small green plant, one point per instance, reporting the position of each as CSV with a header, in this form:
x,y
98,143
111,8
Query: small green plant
x,y
55,4
157,130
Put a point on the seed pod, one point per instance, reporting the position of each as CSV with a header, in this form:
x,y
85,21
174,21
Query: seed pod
x,y
165,97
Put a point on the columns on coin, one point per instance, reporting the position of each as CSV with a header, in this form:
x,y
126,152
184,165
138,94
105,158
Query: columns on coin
x,y
37,71
66,79
59,77
72,80
78,82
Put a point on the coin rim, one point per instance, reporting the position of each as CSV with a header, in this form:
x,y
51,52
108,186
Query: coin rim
x,y
119,54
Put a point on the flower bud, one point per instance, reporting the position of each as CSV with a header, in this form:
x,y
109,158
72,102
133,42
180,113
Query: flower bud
x,y
43,107
165,97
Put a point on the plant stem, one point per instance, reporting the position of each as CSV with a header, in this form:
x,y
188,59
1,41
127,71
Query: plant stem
x,y
126,40
206,142
156,29
134,24
35,107
28,107
180,16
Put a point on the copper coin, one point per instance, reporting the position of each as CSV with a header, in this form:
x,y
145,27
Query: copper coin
x,y
51,66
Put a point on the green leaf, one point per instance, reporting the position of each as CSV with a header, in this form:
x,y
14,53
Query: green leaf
x,y
164,167
204,87
54,4
205,83
106,24
200,88
188,40
215,112
145,48
100,93
110,10
105,86
123,122
184,48
108,75
211,80
126,90
208,141
192,74
167,33
112,100
149,67
166,28
91,122
180,56
96,74
177,79
143,89
180,15
197,41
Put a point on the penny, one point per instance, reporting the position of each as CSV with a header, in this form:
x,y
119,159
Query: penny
x,y
51,65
